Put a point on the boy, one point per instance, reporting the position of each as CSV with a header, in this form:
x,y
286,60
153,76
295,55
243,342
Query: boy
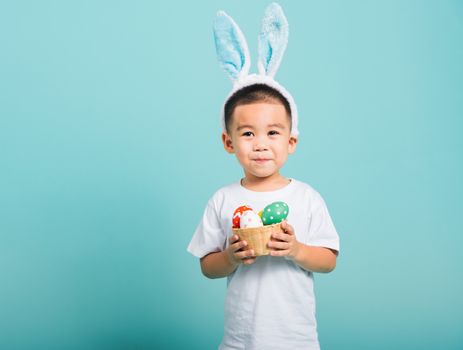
x,y
270,301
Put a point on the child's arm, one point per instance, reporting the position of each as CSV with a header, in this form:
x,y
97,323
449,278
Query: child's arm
x,y
221,264
311,258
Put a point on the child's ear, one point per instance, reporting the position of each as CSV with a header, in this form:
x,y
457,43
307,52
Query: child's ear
x,y
227,143
292,144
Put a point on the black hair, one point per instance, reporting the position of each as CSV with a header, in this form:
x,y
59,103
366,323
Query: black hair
x,y
251,94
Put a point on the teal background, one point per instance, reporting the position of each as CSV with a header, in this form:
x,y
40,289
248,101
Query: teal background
x,y
110,147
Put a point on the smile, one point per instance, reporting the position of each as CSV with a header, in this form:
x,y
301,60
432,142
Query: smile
x,y
261,161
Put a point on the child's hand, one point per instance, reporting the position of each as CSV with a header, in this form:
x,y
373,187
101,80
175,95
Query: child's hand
x,y
284,243
237,252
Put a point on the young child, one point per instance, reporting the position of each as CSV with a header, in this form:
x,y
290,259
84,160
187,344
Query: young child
x,y
270,300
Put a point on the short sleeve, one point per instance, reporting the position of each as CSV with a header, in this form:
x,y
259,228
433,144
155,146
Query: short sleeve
x,y
209,236
322,232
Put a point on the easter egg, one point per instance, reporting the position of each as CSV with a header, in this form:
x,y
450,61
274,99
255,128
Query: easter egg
x,y
237,215
274,213
250,219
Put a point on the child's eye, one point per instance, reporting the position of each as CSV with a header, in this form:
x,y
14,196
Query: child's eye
x,y
247,133
273,132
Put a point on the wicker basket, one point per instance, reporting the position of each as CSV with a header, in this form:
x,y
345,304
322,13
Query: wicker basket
x,y
258,237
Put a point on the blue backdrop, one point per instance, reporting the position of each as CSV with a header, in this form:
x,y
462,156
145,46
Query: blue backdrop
x,y
110,147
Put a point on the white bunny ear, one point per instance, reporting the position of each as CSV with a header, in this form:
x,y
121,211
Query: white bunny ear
x,y
231,46
273,38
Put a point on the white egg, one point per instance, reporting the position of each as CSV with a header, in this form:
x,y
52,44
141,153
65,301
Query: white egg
x,y
250,219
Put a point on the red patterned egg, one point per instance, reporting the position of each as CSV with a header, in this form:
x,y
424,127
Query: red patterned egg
x,y
237,215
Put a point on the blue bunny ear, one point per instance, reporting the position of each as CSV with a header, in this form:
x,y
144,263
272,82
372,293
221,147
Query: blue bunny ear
x,y
231,46
273,38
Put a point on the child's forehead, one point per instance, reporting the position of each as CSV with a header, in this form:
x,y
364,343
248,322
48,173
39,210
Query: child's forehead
x,y
260,114
260,108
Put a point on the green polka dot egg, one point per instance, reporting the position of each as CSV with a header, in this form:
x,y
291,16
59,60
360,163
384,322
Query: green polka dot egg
x,y
275,213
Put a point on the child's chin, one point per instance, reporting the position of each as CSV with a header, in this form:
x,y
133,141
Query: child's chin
x,y
264,174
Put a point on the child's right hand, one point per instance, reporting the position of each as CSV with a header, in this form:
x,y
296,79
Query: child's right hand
x,y
237,252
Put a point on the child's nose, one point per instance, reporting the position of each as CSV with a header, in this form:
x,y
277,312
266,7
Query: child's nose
x,y
260,146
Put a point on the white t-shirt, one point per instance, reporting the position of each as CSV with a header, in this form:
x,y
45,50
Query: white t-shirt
x,y
269,304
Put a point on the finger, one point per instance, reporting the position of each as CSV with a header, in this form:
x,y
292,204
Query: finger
x,y
278,245
245,254
281,236
249,261
287,228
238,246
279,252
232,239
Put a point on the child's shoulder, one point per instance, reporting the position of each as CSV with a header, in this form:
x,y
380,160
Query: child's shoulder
x,y
227,189
225,192
301,185
310,191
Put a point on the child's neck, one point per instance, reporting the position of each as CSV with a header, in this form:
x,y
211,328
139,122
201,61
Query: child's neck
x,y
264,184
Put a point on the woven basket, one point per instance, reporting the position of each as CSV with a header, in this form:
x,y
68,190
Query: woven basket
x,y
258,237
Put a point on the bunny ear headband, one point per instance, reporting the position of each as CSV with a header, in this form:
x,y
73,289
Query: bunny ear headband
x,y
233,54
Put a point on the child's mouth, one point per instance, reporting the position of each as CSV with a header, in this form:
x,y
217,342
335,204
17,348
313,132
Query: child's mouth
x,y
261,161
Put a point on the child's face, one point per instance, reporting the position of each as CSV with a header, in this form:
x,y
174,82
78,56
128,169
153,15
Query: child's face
x,y
260,138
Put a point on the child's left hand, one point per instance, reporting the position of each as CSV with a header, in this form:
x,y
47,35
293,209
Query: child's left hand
x,y
284,243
